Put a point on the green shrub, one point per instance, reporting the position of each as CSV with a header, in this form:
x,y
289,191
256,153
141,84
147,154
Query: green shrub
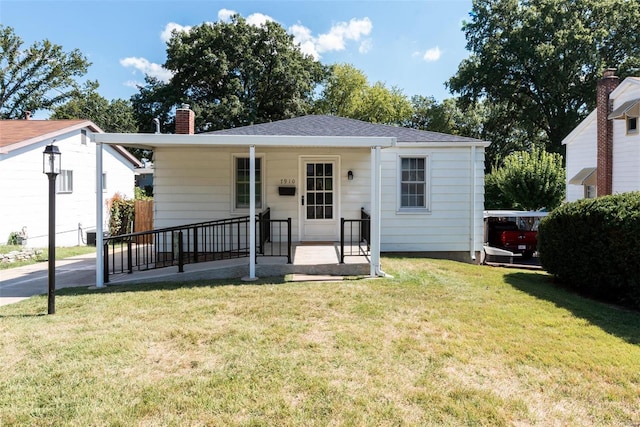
x,y
122,214
593,247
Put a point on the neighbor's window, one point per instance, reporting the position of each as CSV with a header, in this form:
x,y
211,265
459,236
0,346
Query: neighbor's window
x,y
590,191
413,183
104,181
64,181
632,125
242,183
83,137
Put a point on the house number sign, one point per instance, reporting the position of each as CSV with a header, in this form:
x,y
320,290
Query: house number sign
x,y
287,181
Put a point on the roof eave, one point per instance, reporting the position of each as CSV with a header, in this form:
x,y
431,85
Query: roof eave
x,y
152,141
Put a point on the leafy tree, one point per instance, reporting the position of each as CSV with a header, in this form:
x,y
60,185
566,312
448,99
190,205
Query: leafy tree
x,y
540,60
347,93
156,100
344,91
527,180
115,116
36,78
111,116
234,74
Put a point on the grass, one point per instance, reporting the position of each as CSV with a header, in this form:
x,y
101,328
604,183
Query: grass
x,y
61,253
442,343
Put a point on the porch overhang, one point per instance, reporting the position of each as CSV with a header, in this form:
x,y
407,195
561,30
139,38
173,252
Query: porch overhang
x,y
152,141
583,176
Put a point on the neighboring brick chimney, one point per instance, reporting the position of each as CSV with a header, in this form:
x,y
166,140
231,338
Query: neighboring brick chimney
x,y
185,120
604,105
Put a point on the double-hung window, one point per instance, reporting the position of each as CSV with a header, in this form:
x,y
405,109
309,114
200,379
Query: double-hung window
x,y
242,185
413,191
64,181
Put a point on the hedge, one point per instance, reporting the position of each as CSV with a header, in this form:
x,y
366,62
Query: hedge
x,y
593,247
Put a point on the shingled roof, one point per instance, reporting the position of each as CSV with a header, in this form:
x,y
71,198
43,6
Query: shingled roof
x,y
315,125
18,133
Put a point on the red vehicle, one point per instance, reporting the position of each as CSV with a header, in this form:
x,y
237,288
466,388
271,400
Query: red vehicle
x,y
513,231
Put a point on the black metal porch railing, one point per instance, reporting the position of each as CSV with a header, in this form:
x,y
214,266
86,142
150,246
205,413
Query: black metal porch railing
x,y
273,227
193,243
355,236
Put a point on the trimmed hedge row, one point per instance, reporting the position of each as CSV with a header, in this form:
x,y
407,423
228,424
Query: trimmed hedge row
x,y
593,247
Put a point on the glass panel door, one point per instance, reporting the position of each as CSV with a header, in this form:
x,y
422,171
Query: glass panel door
x,y
319,191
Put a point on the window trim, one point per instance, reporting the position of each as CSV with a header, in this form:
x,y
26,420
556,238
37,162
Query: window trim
x,y
234,174
427,185
69,181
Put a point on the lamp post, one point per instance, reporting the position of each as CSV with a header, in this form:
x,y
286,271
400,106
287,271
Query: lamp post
x,y
51,167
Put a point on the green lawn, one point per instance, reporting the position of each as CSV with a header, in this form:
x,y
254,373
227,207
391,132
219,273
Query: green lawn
x,y
61,253
442,343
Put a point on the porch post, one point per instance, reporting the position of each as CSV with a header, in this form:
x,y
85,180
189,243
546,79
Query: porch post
x,y
252,214
99,219
375,212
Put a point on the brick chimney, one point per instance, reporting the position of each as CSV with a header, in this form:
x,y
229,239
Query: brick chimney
x,y
185,120
27,115
604,105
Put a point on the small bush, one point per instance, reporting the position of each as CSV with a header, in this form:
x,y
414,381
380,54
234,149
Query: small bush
x,y
593,247
122,214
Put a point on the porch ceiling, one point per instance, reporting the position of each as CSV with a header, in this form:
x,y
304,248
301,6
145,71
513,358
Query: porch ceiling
x,y
151,141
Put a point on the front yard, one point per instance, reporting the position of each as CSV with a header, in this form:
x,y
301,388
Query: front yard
x,y
442,343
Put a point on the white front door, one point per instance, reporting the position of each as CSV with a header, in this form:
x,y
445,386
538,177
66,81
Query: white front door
x,y
319,199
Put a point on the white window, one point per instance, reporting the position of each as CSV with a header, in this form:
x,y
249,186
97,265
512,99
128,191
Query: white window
x,y
413,186
632,125
589,191
241,185
64,181
104,182
83,137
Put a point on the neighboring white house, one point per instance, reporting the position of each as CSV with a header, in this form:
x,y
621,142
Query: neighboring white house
x,y
424,190
603,151
24,188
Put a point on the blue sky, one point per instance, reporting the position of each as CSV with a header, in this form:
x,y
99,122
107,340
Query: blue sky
x,y
414,45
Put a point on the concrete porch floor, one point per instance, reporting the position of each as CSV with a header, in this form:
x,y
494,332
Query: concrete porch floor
x,y
309,261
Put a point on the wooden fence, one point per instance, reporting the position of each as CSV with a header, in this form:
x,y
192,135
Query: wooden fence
x,y
143,220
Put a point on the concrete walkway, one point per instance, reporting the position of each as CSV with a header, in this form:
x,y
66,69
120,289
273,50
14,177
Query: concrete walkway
x,y
17,284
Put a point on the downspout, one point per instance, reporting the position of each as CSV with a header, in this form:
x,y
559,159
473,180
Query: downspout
x,y
376,205
99,219
473,204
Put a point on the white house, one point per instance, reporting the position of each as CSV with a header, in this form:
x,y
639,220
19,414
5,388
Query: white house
x,y
603,151
424,190
24,187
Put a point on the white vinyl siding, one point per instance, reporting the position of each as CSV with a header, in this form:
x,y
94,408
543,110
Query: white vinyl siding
x,y
196,184
446,226
581,153
22,182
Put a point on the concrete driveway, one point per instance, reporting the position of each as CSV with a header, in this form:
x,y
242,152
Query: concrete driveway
x,y
17,284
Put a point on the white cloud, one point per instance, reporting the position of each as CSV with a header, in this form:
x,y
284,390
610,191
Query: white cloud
x,y
258,19
225,14
170,28
148,68
365,46
432,55
334,40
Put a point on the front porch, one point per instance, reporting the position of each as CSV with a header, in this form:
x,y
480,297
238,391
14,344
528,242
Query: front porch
x,y
308,259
